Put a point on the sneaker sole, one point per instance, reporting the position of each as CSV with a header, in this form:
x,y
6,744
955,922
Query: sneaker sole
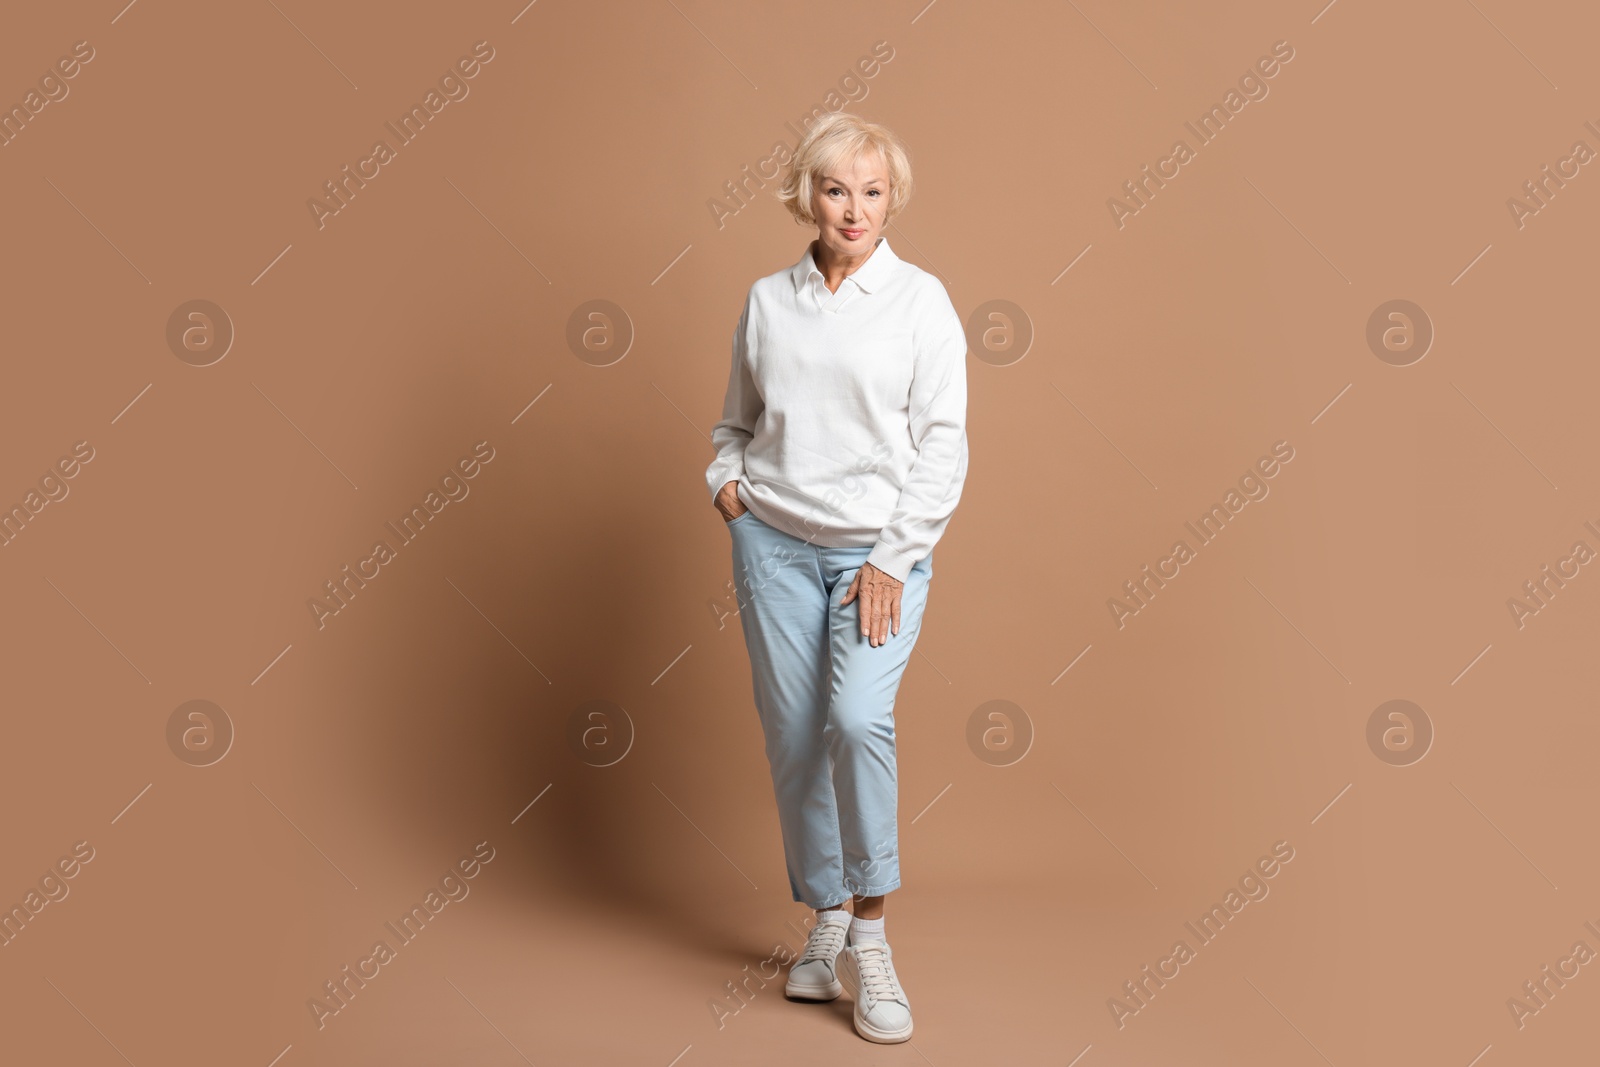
x,y
829,992
882,1037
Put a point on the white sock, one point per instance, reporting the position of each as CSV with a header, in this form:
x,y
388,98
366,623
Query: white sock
x,y
866,930
828,913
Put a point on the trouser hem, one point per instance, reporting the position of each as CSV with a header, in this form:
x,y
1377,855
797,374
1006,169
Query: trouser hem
x,y
872,890
851,892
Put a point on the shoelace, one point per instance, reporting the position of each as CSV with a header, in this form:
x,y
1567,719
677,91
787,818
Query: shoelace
x,y
824,942
877,978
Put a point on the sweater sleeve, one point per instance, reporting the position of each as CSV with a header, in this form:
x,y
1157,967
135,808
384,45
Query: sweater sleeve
x,y
741,406
938,415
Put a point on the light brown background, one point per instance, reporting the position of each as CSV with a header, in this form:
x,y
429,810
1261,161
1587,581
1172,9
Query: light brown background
x,y
587,564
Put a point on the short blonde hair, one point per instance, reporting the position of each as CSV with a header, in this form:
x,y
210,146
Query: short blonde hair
x,y
840,138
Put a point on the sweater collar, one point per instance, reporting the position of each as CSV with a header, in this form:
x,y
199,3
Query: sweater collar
x,y
869,276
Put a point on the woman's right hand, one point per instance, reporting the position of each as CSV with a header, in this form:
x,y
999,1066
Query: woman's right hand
x,y
728,502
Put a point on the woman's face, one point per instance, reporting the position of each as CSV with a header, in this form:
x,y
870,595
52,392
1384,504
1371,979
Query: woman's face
x,y
848,205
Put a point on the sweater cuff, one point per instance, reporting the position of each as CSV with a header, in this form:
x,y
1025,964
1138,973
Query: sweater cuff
x,y
896,565
716,478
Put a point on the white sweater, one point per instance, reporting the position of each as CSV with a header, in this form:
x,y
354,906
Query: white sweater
x,y
845,417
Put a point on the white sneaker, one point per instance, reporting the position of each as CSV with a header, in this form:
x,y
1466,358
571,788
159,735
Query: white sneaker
x,y
813,976
882,1013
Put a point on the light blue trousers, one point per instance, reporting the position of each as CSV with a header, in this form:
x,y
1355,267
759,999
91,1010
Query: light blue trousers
x,y
826,701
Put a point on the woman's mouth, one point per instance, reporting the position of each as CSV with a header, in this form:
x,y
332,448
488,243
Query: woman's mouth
x,y
852,234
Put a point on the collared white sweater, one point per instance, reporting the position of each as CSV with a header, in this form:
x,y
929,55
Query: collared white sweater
x,y
844,422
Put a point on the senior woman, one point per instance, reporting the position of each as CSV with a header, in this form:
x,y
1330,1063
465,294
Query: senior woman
x,y
841,453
